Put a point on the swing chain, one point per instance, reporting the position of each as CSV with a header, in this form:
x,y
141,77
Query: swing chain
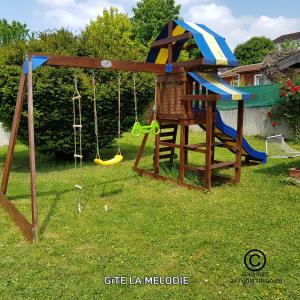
x,y
137,128
96,117
135,98
155,100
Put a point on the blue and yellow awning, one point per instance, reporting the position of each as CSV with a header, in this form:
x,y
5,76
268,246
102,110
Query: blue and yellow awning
x,y
217,85
212,46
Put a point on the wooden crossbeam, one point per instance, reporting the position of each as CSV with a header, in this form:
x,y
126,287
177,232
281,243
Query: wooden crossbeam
x,y
164,42
197,64
222,165
211,97
100,63
167,179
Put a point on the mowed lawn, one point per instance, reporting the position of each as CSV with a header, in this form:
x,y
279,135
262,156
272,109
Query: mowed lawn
x,y
154,228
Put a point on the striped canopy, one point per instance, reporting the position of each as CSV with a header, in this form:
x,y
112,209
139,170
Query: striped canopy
x,y
212,46
217,85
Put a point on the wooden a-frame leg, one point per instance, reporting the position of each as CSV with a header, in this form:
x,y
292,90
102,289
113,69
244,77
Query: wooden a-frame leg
x,y
15,214
14,133
142,147
156,154
34,208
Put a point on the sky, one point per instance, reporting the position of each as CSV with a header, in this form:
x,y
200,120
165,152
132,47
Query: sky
x,y
237,21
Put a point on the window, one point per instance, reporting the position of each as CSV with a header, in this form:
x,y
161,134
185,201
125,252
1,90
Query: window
x,y
258,79
236,82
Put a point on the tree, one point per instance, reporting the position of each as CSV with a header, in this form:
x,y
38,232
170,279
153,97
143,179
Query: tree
x,y
254,50
150,16
13,32
110,36
60,41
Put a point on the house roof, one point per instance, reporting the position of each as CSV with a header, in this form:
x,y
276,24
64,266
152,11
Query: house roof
x,y
291,61
242,69
291,37
212,46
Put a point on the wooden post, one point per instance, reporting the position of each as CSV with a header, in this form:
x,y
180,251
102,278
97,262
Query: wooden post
x,y
186,142
182,154
170,45
157,136
214,104
156,154
196,92
239,139
34,207
173,149
14,133
208,153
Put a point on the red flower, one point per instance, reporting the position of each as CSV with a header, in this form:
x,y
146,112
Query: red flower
x,y
283,94
274,123
297,88
288,83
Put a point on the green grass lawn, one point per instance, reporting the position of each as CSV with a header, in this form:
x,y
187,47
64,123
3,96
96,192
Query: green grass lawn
x,y
154,228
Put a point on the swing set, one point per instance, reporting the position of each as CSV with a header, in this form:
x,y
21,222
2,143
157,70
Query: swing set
x,y
186,94
32,62
77,127
137,128
118,157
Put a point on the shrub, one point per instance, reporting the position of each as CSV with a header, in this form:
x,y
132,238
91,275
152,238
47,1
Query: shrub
x,y
53,89
288,108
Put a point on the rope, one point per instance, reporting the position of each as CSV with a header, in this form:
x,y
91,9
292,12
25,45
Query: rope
x,y
137,128
77,97
135,99
96,119
119,114
155,99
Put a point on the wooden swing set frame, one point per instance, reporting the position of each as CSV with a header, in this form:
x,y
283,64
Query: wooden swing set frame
x,y
30,228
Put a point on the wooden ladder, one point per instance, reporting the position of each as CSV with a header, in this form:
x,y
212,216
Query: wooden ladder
x,y
168,133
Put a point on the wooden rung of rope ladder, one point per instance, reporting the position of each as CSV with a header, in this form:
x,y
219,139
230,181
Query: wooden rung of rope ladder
x,y
78,156
76,97
77,126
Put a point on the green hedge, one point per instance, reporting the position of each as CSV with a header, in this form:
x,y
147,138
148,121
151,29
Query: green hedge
x,y
53,89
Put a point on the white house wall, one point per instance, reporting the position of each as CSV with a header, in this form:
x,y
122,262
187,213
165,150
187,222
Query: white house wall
x,y
256,122
4,136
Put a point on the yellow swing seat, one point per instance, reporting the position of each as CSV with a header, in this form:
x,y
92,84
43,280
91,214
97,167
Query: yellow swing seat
x,y
117,159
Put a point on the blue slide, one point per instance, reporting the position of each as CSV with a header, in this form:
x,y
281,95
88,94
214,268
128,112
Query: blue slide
x,y
228,135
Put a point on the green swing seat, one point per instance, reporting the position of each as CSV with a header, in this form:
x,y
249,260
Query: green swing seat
x,y
138,129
